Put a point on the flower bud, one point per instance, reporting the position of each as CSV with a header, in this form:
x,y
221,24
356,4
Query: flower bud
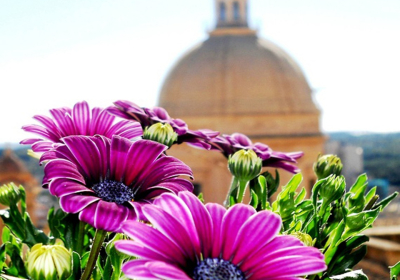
x,y
9,194
331,189
162,133
244,165
49,262
327,165
303,237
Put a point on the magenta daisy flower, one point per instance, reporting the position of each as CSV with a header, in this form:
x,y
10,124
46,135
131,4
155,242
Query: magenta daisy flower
x,y
229,144
189,240
107,181
77,121
149,116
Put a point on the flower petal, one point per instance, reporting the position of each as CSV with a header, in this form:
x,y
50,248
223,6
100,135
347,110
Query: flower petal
x,y
137,269
81,117
133,248
217,213
234,218
182,240
109,216
166,271
257,231
290,266
202,220
61,168
63,119
162,169
74,203
118,157
141,156
62,186
174,205
278,243
86,154
153,240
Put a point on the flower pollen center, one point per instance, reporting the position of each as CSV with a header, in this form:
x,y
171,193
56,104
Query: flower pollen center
x,y
113,191
217,269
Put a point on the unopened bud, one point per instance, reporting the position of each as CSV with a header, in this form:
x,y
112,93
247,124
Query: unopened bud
x,y
162,133
49,262
244,165
303,237
331,190
327,165
9,194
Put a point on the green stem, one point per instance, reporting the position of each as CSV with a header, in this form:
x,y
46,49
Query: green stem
x,y
242,188
231,189
94,253
81,237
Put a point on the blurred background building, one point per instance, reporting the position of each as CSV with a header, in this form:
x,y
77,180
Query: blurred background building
x,y
237,82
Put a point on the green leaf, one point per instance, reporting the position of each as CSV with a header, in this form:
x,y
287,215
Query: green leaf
x,y
332,243
23,199
394,271
13,219
342,251
301,196
350,260
352,275
356,223
76,267
107,272
84,260
33,235
384,202
17,267
2,256
360,182
254,199
5,237
370,194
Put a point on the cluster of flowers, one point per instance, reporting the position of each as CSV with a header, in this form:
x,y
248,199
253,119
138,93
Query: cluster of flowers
x,y
110,169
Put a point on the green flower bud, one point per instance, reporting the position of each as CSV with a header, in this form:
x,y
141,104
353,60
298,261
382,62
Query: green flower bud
x,y
327,165
162,133
244,165
331,190
9,194
49,262
303,237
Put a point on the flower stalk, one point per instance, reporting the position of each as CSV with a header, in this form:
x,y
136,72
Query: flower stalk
x,y
94,253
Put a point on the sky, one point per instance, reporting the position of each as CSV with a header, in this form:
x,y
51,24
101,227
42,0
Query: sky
x,y
55,53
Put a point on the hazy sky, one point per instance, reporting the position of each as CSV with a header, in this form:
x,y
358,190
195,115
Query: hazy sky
x,y
55,53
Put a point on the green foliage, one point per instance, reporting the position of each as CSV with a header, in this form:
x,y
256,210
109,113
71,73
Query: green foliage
x,y
394,271
352,275
333,218
20,224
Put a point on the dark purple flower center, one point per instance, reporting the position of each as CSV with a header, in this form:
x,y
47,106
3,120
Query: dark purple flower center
x,y
113,191
217,269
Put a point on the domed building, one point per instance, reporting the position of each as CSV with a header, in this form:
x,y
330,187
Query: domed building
x,y
236,82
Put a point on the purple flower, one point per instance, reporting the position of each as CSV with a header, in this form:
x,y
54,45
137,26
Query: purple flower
x,y
229,144
77,121
107,181
189,240
149,116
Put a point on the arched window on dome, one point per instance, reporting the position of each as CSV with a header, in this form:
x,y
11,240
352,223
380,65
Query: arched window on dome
x,y
236,11
222,11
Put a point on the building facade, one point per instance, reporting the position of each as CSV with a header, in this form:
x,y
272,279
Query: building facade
x,y
237,82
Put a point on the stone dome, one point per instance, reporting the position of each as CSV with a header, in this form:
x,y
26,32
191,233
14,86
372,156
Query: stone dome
x,y
234,74
236,82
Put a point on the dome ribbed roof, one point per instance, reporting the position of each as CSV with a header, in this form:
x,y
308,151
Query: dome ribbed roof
x,y
236,73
